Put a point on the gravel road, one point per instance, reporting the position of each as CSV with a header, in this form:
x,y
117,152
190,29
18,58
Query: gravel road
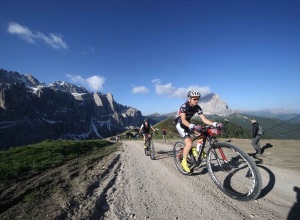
x,y
129,185
155,189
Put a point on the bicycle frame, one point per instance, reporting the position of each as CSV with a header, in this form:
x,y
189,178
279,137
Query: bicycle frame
x,y
148,137
208,136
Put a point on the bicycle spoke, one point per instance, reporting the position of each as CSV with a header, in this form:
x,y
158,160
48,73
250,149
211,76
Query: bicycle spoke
x,y
233,172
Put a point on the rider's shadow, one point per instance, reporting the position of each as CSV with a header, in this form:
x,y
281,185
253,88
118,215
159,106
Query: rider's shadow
x,y
295,210
268,145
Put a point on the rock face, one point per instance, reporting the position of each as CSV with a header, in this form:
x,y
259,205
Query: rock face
x,y
213,104
31,111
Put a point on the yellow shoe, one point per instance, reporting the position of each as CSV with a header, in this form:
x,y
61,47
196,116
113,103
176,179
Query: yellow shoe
x,y
203,154
185,165
145,146
195,153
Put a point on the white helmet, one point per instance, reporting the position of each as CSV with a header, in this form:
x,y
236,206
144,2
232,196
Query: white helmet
x,y
194,93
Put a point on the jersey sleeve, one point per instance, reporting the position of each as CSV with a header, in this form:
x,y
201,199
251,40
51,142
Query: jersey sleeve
x,y
199,110
182,109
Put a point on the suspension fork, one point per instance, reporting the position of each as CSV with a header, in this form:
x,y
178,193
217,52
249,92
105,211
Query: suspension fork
x,y
223,156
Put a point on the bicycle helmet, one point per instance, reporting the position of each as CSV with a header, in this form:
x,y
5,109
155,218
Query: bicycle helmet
x,y
194,93
146,119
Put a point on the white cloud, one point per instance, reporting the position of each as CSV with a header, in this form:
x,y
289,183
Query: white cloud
x,y
166,89
156,81
76,79
94,83
54,40
139,89
170,91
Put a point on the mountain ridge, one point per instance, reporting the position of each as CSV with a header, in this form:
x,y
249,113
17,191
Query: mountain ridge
x,y
31,111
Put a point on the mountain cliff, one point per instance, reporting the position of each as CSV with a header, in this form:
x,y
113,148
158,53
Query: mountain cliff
x,y
31,111
213,104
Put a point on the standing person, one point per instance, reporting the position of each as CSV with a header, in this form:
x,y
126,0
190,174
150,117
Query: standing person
x,y
145,129
185,127
256,138
164,134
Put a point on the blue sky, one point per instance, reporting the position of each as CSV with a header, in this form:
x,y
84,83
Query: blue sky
x,y
148,54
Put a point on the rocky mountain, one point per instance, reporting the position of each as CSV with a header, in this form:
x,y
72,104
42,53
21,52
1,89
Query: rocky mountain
x,y
213,104
31,111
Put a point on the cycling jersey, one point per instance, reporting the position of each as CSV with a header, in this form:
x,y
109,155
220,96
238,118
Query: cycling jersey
x,y
189,111
146,129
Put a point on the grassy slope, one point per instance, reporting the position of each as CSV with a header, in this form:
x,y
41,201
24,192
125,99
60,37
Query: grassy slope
x,y
18,161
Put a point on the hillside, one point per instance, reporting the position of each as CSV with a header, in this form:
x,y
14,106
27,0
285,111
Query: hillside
x,y
239,126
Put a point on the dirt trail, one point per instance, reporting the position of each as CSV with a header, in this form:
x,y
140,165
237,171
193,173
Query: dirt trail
x,y
148,189
129,185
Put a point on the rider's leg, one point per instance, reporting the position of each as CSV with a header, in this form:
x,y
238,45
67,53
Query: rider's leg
x,y
256,145
144,140
188,145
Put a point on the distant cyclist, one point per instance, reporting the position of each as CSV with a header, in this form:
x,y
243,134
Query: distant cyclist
x,y
145,129
184,126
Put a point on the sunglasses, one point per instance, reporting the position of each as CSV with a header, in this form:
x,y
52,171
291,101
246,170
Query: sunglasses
x,y
195,99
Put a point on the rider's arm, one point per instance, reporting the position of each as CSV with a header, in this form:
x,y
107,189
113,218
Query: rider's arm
x,y
183,120
205,120
141,128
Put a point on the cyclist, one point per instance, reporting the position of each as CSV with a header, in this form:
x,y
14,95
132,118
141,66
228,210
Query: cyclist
x,y
145,129
185,127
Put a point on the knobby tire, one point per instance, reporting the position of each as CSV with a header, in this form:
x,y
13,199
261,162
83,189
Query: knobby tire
x,y
237,176
147,148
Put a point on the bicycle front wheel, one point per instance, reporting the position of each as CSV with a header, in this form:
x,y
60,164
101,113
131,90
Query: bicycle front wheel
x,y
233,171
151,150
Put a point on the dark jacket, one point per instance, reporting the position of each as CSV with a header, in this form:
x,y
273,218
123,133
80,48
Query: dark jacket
x,y
255,127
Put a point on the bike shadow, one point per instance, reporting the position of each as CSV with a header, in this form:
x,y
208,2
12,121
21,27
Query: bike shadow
x,y
160,155
272,179
201,170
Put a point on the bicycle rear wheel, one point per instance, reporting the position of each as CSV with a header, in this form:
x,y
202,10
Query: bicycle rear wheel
x,y
178,156
233,171
151,150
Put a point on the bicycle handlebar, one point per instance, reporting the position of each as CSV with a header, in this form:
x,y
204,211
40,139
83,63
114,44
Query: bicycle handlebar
x,y
208,130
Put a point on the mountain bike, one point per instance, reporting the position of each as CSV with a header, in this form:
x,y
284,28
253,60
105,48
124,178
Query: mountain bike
x,y
149,150
230,168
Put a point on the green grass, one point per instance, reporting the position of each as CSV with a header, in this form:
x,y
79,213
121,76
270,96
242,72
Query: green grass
x,y
17,162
